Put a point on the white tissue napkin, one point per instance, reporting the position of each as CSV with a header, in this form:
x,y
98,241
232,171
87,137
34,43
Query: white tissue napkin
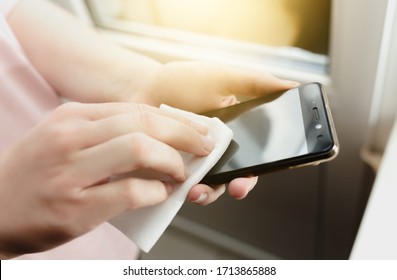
x,y
145,226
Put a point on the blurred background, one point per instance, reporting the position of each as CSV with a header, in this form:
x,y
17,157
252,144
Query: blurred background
x,y
263,22
306,213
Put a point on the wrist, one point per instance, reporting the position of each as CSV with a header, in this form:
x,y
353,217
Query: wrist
x,y
135,84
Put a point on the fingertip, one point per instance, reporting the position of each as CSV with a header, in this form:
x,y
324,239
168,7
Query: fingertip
x,y
291,84
273,84
195,193
203,195
240,187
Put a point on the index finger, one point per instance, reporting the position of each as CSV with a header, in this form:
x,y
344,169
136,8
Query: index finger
x,y
99,111
257,83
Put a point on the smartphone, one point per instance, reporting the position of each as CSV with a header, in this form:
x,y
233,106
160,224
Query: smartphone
x,y
280,131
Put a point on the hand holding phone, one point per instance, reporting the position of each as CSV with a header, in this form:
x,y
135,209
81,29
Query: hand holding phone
x,y
284,130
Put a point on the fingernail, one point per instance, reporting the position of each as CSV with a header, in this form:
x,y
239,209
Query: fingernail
x,y
229,100
254,182
292,83
208,143
203,197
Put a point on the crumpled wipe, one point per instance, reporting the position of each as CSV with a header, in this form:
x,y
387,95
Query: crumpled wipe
x,y
146,225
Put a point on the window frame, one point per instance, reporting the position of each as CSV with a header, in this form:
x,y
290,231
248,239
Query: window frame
x,y
166,44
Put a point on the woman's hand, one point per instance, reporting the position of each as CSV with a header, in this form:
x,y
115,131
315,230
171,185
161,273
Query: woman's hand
x,y
54,181
202,86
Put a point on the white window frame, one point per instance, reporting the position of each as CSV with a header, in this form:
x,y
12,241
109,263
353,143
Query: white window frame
x,y
166,44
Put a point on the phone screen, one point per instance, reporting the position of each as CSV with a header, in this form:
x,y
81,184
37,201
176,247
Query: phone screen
x,y
290,125
269,132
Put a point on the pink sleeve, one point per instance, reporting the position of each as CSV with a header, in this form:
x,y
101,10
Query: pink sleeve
x,y
6,6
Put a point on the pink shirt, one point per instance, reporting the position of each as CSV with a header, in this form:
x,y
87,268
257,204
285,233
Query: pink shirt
x,y
25,99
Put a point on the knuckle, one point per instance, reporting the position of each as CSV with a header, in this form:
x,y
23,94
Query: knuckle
x,y
67,110
149,149
142,193
193,142
145,118
65,136
66,216
139,149
64,127
131,195
150,154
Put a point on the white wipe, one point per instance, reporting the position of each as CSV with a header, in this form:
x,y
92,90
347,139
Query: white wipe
x,y
146,225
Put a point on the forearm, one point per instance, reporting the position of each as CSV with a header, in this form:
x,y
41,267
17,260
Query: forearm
x,y
77,62
84,67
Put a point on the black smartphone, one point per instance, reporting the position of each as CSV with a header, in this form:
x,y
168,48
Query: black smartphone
x,y
284,130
